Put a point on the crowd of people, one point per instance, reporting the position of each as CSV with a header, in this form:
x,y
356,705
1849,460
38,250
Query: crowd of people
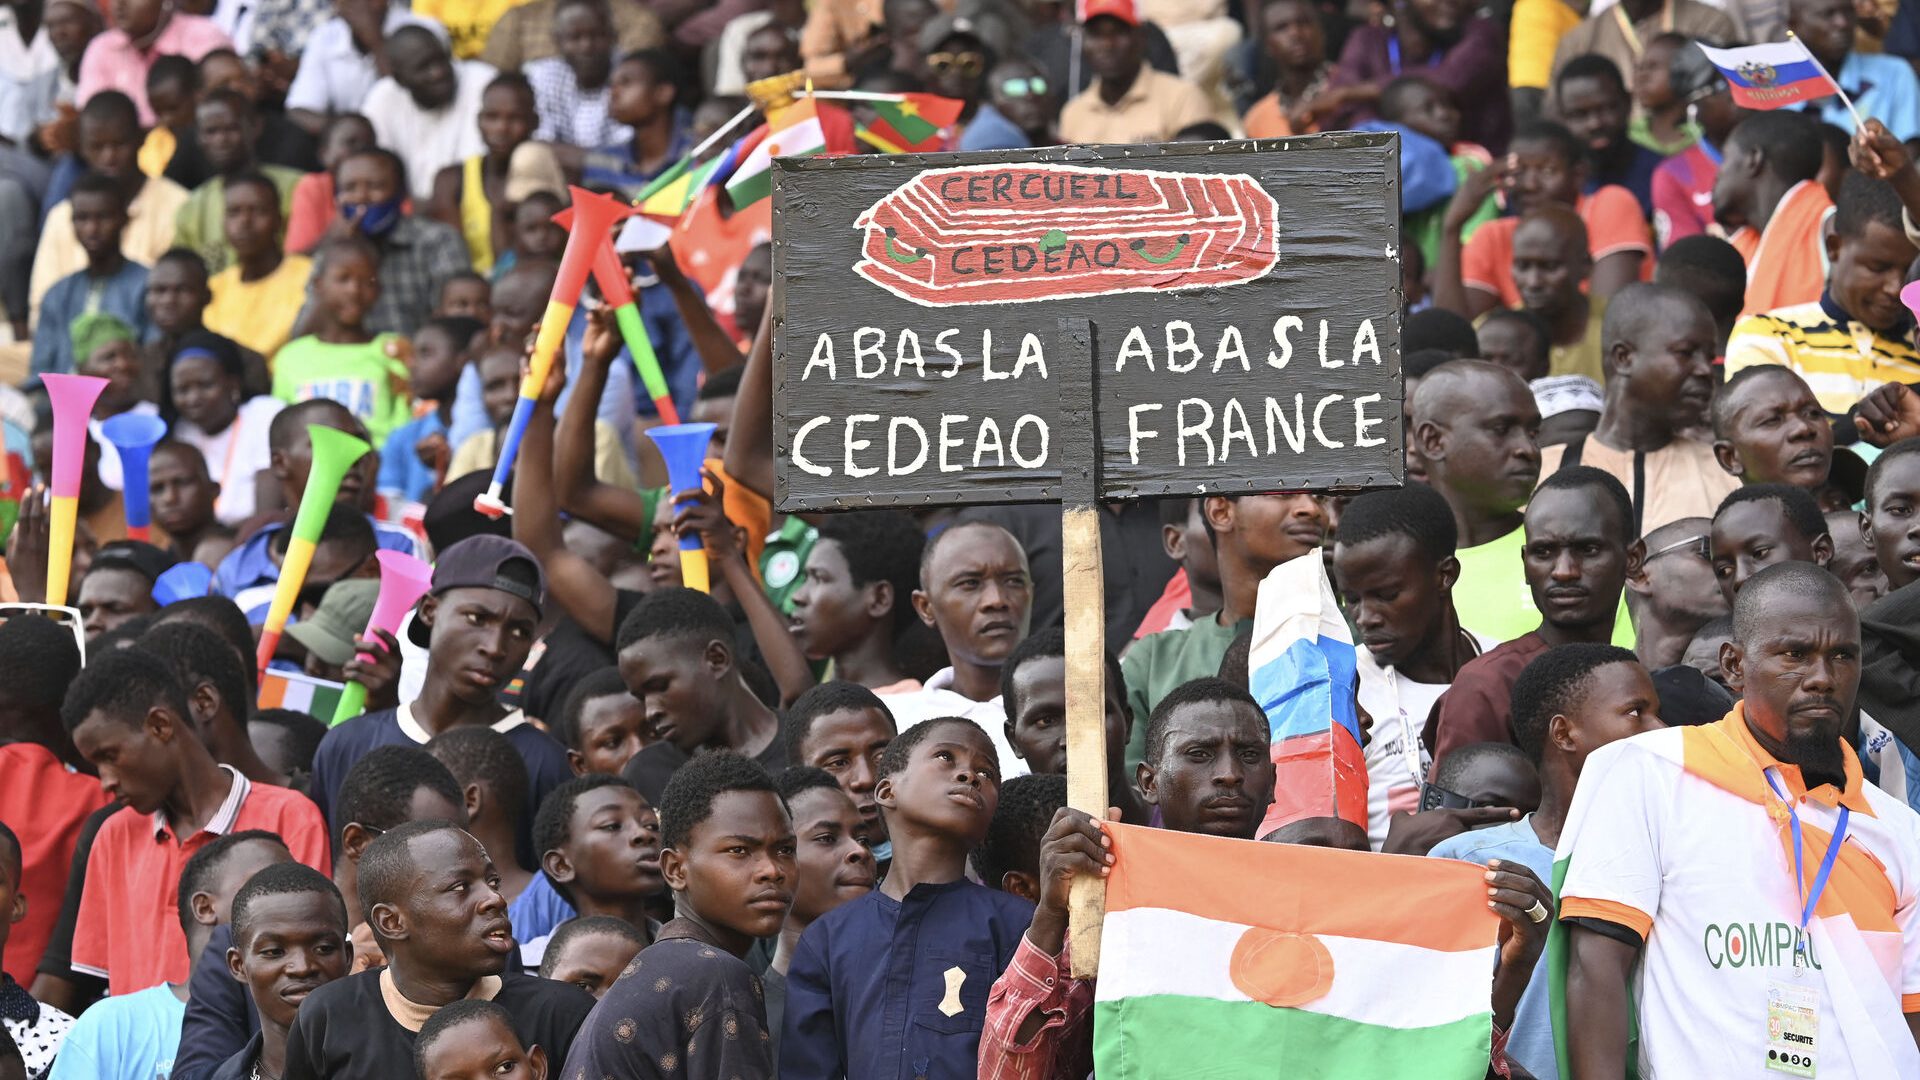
x,y
1637,635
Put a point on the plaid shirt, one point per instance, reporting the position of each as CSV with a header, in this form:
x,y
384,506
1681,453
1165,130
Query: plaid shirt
x,y
1063,1047
569,114
416,259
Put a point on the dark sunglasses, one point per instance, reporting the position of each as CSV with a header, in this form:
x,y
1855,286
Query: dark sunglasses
x,y
966,63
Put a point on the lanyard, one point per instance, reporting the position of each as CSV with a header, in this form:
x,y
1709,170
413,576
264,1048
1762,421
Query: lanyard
x,y
1808,896
1393,54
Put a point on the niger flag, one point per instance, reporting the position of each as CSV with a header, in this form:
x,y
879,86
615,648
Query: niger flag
x,y
1232,958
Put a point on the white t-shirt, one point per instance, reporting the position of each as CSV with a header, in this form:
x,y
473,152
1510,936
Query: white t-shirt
x,y
938,698
1396,761
430,141
235,455
1677,836
334,75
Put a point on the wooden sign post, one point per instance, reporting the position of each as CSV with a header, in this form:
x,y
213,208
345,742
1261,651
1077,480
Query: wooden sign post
x,y
1086,324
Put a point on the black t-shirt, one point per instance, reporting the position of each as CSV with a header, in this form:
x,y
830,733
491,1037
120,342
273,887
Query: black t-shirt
x,y
571,654
568,655
344,1031
650,769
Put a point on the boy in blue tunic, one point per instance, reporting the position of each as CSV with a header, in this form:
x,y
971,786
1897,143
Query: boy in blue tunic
x,y
893,986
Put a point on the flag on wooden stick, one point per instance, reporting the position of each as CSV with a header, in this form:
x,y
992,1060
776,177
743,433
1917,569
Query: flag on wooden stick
x,y
1301,670
791,132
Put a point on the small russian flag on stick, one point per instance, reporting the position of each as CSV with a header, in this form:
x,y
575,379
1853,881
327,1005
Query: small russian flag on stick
x,y
1775,75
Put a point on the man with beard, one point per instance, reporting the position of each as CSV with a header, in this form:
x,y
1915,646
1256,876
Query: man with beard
x,y
1689,847
1659,356
1593,102
1858,334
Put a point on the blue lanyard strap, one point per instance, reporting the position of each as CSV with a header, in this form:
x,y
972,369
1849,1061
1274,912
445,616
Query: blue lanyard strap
x,y
1393,53
1809,897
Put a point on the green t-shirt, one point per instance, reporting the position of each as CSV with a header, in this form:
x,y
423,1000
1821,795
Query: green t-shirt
x,y
1423,229
1492,598
1157,663
370,379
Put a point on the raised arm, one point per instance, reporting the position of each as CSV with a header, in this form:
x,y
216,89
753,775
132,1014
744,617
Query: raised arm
x,y
1449,283
702,512
716,349
750,444
584,592
575,484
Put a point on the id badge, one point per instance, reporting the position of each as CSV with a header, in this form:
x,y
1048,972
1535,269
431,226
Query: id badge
x,y
1793,1027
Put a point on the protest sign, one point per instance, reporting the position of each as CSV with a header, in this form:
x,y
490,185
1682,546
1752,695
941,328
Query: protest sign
x,y
1081,324
1243,301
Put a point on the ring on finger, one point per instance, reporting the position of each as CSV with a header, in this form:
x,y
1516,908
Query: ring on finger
x,y
1538,912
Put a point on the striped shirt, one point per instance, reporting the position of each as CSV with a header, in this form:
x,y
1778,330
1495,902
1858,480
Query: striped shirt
x,y
1841,358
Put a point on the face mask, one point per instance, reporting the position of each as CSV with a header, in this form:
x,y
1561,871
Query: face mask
x,y
380,218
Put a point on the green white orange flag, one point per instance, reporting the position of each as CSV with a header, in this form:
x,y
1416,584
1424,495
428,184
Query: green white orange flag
x,y
792,132
1234,958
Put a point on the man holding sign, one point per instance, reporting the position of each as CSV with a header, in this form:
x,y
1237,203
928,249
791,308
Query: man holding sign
x,y
1266,360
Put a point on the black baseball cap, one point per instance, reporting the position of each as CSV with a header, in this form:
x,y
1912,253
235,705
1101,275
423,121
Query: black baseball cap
x,y
136,555
451,518
485,562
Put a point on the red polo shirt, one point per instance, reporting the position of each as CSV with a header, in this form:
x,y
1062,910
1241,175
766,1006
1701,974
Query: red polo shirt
x,y
128,930
44,803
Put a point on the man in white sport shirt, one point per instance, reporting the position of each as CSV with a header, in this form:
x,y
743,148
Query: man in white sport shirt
x,y
1681,853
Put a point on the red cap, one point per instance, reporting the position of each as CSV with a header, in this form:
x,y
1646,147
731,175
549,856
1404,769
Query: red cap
x,y
1119,9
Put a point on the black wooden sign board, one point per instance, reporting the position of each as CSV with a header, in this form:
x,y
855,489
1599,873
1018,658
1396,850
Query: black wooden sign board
x,y
1244,301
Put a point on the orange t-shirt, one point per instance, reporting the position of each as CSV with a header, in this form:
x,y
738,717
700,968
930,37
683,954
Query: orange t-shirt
x,y
1787,263
1266,120
1614,224
747,509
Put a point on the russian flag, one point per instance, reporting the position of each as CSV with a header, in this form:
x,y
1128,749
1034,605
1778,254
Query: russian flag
x,y
1301,669
1773,75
